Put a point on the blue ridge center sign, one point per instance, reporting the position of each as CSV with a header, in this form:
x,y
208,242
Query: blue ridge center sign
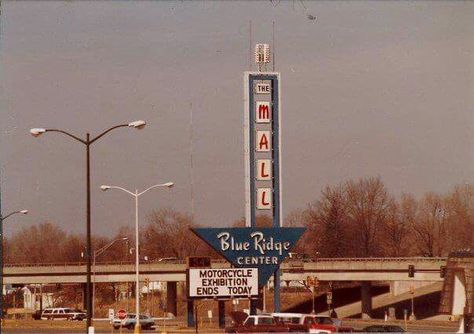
x,y
252,247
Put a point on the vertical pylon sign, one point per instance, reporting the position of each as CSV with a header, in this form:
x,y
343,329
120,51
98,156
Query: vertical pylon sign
x,y
262,146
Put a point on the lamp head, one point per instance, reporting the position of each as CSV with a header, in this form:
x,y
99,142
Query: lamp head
x,y
104,187
137,124
35,132
168,184
24,212
124,238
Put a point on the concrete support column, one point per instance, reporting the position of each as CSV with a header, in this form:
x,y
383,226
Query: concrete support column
x,y
84,297
221,308
276,290
253,306
366,300
190,307
171,298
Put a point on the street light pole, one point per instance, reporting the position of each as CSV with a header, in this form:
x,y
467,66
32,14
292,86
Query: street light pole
x,y
137,273
136,194
2,219
35,132
412,292
96,254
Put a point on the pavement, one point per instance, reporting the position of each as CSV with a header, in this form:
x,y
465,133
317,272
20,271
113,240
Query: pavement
x,y
42,326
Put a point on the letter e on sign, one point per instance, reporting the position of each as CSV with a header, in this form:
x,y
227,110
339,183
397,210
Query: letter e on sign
x,y
264,169
263,142
263,112
264,198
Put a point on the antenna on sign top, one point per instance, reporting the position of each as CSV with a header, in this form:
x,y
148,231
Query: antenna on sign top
x,y
191,162
273,45
250,45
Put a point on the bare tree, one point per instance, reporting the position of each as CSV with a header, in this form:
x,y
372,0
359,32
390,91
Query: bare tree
x,y
430,226
261,221
397,227
168,235
38,243
460,208
367,205
327,223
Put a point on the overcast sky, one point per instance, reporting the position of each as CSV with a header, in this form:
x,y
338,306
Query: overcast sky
x,y
368,89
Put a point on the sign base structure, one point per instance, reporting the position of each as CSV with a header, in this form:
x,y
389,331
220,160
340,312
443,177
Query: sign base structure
x,y
222,283
251,247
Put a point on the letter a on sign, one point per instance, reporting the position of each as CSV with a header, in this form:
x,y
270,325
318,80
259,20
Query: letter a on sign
x,y
263,112
264,198
264,169
263,143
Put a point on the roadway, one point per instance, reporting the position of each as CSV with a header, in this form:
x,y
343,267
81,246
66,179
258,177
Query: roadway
x,y
357,324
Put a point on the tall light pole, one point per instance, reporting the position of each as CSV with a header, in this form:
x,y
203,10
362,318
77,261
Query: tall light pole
x,y
96,254
137,194
2,219
88,142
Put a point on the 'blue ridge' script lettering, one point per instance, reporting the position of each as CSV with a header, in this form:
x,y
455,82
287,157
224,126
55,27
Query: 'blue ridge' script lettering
x,y
259,243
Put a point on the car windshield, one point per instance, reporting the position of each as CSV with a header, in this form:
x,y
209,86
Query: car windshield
x,y
323,320
265,321
394,329
68,310
288,320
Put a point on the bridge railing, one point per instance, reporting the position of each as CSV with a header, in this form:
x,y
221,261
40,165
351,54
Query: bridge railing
x,y
379,259
217,261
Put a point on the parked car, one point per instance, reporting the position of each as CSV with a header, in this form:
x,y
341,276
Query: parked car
x,y
130,320
383,329
311,323
62,313
262,323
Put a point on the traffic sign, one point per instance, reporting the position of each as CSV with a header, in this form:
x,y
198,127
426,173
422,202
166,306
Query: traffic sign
x,y
329,297
198,261
122,314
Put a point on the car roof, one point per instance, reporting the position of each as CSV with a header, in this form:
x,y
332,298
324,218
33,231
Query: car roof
x,y
283,314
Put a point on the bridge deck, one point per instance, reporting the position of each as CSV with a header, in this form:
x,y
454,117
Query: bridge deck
x,y
339,269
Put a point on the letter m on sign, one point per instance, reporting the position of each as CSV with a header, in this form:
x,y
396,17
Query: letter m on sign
x,y
263,112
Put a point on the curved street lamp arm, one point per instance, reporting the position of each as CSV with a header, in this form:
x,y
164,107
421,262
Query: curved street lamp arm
x,y
123,189
152,187
107,131
67,134
10,214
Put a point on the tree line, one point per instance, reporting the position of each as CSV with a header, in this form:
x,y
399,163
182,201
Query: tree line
x,y
356,218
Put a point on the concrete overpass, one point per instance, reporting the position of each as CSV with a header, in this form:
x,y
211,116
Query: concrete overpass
x,y
364,270
333,269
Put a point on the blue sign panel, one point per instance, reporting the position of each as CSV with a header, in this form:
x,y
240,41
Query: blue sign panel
x,y
251,247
